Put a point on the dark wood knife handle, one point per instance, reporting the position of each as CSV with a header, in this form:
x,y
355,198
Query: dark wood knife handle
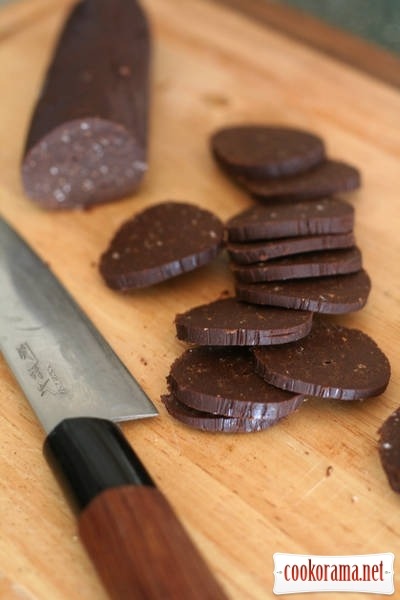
x,y
141,550
139,547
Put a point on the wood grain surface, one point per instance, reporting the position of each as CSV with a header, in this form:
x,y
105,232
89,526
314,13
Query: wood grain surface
x,y
312,484
303,26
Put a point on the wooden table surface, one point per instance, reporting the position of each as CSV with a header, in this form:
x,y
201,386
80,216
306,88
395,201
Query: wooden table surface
x,y
242,497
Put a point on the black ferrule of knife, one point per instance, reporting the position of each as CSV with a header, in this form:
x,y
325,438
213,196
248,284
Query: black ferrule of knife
x,y
92,455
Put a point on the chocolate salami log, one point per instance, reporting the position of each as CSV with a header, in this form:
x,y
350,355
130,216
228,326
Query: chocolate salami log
x,y
87,139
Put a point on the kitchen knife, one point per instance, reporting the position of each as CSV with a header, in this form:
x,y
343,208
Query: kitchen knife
x,y
77,387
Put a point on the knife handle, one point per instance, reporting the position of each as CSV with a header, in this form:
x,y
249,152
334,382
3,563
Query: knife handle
x,y
137,544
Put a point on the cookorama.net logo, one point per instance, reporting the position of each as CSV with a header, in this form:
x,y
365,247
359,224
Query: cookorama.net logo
x,y
365,573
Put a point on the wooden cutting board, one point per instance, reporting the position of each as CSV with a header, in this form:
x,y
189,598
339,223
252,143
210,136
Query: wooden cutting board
x,y
312,484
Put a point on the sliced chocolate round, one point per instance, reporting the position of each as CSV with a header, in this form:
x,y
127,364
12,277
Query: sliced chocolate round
x,y
331,362
262,222
338,294
161,242
263,151
326,179
389,449
228,322
252,252
300,266
224,382
209,422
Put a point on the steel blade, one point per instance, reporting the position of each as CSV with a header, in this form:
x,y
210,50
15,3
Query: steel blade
x,y
62,363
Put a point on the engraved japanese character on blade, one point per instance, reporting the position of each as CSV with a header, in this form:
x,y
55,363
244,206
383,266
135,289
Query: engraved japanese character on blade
x,y
45,376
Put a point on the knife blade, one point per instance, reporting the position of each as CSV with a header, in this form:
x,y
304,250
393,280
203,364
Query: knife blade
x,y
79,388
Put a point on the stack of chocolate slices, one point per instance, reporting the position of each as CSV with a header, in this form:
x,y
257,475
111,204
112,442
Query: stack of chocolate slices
x,y
299,234
213,385
249,366
298,255
257,357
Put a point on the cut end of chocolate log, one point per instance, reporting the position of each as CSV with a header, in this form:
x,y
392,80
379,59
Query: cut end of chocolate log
x,y
83,162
